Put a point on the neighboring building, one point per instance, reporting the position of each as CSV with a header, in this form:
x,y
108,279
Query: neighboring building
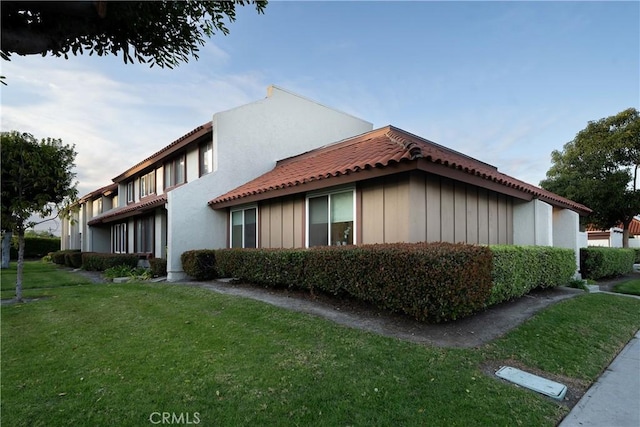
x,y
221,185
613,237
159,206
388,186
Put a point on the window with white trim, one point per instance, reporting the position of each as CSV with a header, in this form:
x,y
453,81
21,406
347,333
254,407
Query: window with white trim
x,y
331,218
119,238
175,171
206,158
148,184
130,195
244,228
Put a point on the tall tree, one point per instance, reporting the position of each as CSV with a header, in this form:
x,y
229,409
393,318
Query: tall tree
x,y
163,33
37,178
599,168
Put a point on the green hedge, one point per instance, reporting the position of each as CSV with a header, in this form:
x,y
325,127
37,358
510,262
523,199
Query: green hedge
x,y
59,257
637,258
600,262
94,261
519,269
200,264
436,282
158,267
34,247
73,259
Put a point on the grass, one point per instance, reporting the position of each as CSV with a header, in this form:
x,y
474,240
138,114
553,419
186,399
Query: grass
x,y
37,275
631,287
113,354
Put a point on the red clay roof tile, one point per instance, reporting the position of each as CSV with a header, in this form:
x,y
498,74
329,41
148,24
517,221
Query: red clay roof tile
x,y
379,148
132,209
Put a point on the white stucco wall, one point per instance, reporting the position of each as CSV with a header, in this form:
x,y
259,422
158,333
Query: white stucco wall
x,y
247,142
533,223
566,232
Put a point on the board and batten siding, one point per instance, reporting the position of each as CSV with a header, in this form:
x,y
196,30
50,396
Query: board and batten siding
x,y
281,223
417,207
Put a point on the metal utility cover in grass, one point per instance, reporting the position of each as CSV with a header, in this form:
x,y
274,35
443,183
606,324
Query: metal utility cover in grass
x,y
533,382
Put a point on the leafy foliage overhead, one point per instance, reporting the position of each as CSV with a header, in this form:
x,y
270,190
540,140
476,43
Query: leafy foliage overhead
x,y
599,168
163,33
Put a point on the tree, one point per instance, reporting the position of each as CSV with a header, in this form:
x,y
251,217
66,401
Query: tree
x,y
599,169
163,33
37,178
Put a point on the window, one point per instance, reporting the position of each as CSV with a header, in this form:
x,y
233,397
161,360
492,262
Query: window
x,y
97,207
130,195
175,171
206,158
331,219
148,184
244,228
119,238
144,234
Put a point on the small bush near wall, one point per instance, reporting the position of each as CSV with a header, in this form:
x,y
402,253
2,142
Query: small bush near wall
x,y
34,247
200,264
519,269
637,251
600,262
436,282
58,257
94,261
73,259
158,267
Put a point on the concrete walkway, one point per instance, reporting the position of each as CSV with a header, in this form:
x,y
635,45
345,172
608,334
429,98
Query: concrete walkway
x,y
614,399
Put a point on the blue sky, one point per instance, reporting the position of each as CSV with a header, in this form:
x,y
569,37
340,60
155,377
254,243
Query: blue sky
x,y
505,82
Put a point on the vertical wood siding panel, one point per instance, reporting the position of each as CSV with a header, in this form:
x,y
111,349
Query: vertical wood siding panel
x,y
472,214
417,208
265,221
287,223
483,217
502,219
391,203
434,214
276,225
447,210
460,212
510,221
493,218
373,213
298,222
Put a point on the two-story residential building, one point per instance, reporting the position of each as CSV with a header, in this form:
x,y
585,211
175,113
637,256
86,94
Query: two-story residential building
x,y
159,206
287,172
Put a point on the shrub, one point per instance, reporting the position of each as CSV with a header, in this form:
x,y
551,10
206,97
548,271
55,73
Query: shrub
x,y
58,257
600,262
158,267
93,261
34,247
118,271
519,269
73,259
437,281
637,256
199,264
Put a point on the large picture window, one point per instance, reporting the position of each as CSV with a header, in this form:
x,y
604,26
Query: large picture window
x,y
148,184
144,234
244,230
175,171
330,219
119,238
206,158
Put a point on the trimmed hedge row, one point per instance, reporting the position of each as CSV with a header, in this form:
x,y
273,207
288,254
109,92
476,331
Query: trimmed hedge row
x,y
59,257
34,247
600,262
637,259
94,261
519,269
200,264
434,281
158,267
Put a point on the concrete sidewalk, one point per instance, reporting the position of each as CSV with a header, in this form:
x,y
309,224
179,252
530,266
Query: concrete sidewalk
x,y
614,399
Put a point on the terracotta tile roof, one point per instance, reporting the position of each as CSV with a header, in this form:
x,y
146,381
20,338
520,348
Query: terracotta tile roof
x,y
167,150
147,204
379,148
100,191
634,227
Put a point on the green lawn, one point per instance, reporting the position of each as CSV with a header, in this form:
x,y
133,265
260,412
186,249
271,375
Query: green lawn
x,y
113,354
39,275
630,287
